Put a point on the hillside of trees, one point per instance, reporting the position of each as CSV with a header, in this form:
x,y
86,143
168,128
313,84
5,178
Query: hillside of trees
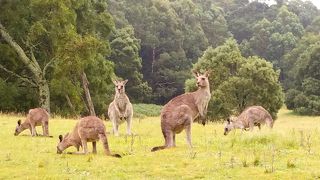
x,y
51,51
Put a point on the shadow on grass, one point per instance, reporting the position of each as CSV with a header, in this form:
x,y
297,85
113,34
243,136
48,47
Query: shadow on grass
x,y
38,136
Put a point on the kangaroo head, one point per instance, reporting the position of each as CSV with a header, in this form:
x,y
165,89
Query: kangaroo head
x,y
120,86
228,126
63,144
19,128
202,79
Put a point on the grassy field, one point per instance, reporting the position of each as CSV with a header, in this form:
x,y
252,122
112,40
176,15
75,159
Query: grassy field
x,y
290,151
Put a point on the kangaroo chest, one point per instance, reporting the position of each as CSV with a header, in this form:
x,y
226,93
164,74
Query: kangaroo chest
x,y
203,100
121,102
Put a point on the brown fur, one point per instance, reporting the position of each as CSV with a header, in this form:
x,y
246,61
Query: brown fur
x,y
179,113
120,109
250,117
35,117
87,129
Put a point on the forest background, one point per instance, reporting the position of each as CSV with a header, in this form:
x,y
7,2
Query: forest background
x,y
63,55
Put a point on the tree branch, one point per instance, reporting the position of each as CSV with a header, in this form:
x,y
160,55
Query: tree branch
x,y
33,58
18,76
47,65
21,53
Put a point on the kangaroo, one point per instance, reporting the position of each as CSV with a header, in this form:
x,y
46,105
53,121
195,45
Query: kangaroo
x,y
120,109
179,113
87,129
250,117
35,117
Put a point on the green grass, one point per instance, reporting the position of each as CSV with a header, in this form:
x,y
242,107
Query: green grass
x,y
290,151
146,110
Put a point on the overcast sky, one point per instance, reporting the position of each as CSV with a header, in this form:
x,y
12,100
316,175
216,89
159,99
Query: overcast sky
x,y
316,2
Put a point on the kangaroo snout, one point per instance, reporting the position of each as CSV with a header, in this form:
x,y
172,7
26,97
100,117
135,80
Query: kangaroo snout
x,y
58,150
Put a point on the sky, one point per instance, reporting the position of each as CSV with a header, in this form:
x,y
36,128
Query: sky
x,y
317,3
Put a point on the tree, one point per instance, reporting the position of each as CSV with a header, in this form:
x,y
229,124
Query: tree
x,y
272,40
291,58
314,26
243,18
304,93
23,44
259,42
85,56
125,55
68,36
237,82
173,35
305,10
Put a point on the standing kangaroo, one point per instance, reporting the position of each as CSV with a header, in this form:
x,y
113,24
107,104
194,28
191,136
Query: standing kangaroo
x,y
87,129
179,113
35,117
250,117
120,109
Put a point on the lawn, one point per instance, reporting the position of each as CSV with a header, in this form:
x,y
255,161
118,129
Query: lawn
x,y
290,151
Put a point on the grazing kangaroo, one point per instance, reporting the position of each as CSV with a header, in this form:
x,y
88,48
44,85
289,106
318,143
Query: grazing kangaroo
x,y
250,117
35,117
120,109
179,113
87,129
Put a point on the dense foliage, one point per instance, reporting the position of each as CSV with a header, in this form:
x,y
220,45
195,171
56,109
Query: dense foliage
x,y
303,95
238,82
155,44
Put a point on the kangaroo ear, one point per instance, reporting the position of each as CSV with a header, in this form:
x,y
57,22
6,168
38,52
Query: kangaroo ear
x,y
125,82
19,122
195,73
60,137
228,120
207,73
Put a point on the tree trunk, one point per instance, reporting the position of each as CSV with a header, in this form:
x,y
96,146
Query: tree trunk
x,y
153,59
44,94
33,66
85,84
70,104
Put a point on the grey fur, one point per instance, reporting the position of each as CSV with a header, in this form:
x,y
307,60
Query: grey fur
x,y
250,117
120,109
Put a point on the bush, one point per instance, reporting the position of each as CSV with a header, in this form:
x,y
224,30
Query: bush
x,y
237,82
302,104
290,96
146,110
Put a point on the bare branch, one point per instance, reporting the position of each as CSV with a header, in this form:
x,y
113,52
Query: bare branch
x,y
49,64
85,84
18,76
34,60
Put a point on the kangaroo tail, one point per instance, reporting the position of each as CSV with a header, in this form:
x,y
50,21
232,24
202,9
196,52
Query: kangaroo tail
x,y
116,155
157,148
104,141
46,128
